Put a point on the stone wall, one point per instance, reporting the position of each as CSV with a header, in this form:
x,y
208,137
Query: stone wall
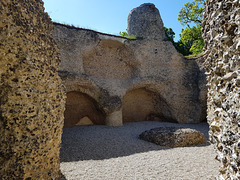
x,y
31,95
221,30
124,76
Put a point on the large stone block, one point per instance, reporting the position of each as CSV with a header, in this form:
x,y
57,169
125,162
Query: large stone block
x,y
173,137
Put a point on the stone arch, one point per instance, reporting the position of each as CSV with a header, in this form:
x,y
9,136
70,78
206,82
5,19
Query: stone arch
x,y
145,105
111,59
81,109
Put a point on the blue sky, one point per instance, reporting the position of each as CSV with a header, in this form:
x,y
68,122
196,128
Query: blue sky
x,y
109,16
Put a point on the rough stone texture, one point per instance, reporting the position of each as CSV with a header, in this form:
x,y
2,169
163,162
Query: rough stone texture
x,y
31,94
145,79
202,83
221,30
145,22
173,137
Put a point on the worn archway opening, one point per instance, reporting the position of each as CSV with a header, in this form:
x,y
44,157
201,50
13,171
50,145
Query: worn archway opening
x,y
145,105
81,109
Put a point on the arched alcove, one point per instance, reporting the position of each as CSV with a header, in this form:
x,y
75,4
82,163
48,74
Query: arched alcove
x,y
144,105
81,109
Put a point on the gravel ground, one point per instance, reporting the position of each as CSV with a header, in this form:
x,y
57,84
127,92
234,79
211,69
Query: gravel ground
x,y
102,152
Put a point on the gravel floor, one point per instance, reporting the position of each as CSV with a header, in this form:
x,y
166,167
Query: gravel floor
x,y
101,152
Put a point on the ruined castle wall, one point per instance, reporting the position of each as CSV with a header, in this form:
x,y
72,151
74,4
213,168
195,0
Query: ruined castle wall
x,y
31,95
164,71
107,67
221,30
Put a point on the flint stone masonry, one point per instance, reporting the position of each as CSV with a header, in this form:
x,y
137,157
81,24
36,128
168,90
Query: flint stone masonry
x,y
173,137
131,80
31,95
221,31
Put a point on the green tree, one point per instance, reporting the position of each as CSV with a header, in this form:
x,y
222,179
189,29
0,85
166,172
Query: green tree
x,y
180,47
191,12
191,37
170,34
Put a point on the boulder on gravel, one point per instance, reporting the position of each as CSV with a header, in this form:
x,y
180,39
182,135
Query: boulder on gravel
x,y
173,137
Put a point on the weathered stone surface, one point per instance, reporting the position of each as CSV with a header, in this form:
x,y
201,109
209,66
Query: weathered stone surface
x,y
31,95
145,22
201,80
141,78
173,137
221,30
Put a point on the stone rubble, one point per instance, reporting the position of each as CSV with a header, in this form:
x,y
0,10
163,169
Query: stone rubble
x,y
173,137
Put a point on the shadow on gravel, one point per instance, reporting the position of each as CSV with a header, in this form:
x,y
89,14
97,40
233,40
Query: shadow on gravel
x,y
62,177
103,142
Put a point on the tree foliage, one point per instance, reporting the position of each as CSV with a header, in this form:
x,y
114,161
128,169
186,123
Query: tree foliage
x,y
170,34
191,37
191,12
190,43
190,16
180,47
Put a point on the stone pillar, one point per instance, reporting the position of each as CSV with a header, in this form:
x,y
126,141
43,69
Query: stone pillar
x,y
31,95
145,22
221,31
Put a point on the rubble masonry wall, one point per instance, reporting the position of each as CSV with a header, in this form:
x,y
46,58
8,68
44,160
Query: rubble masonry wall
x,y
221,31
32,100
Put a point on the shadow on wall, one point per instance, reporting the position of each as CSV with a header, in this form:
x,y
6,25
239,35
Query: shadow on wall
x,y
105,142
145,105
81,109
137,105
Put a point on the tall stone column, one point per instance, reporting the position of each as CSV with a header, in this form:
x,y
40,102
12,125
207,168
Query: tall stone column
x,y
145,22
221,31
31,95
